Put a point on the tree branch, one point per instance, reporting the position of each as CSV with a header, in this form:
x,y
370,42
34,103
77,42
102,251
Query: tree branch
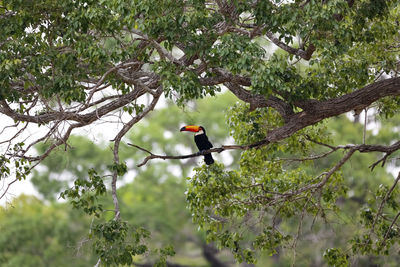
x,y
74,116
327,175
390,227
117,141
313,110
316,111
200,153
384,201
363,148
304,54
260,101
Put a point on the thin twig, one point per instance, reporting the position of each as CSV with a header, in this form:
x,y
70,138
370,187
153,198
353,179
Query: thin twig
x,y
384,201
390,227
365,124
298,232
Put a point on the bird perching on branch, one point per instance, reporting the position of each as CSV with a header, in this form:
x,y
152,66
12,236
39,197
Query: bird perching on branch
x,y
201,140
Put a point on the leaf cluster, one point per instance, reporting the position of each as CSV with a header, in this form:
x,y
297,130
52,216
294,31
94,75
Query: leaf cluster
x,y
114,246
84,194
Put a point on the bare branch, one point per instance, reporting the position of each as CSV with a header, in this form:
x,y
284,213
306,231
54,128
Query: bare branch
x,y
95,88
363,148
16,134
59,142
299,229
16,179
320,156
200,153
117,141
327,175
8,186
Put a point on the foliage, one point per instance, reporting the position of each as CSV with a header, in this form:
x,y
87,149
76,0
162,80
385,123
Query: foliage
x,y
84,194
111,242
335,257
35,234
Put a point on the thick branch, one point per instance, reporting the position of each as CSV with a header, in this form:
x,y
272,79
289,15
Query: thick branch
x,y
316,111
235,82
259,101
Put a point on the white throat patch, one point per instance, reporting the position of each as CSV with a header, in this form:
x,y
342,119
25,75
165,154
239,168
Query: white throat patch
x,y
199,132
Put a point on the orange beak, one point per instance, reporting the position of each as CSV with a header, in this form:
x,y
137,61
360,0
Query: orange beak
x,y
191,128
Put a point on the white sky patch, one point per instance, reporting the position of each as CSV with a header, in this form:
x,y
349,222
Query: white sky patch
x,y
16,189
184,149
372,124
175,170
168,134
225,157
129,177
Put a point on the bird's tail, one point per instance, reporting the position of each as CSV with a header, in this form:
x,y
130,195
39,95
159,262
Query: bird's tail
x,y
208,159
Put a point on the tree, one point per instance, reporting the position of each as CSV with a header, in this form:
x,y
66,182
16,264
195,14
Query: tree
x,y
73,64
34,234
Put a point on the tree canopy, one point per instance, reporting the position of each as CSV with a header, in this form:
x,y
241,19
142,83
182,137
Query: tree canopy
x,y
291,65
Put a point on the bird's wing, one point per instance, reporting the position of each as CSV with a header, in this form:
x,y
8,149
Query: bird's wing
x,y
209,144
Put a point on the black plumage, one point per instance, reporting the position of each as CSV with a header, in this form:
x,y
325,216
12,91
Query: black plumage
x,y
201,140
203,143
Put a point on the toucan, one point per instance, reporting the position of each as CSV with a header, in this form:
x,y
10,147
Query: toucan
x,y
201,140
